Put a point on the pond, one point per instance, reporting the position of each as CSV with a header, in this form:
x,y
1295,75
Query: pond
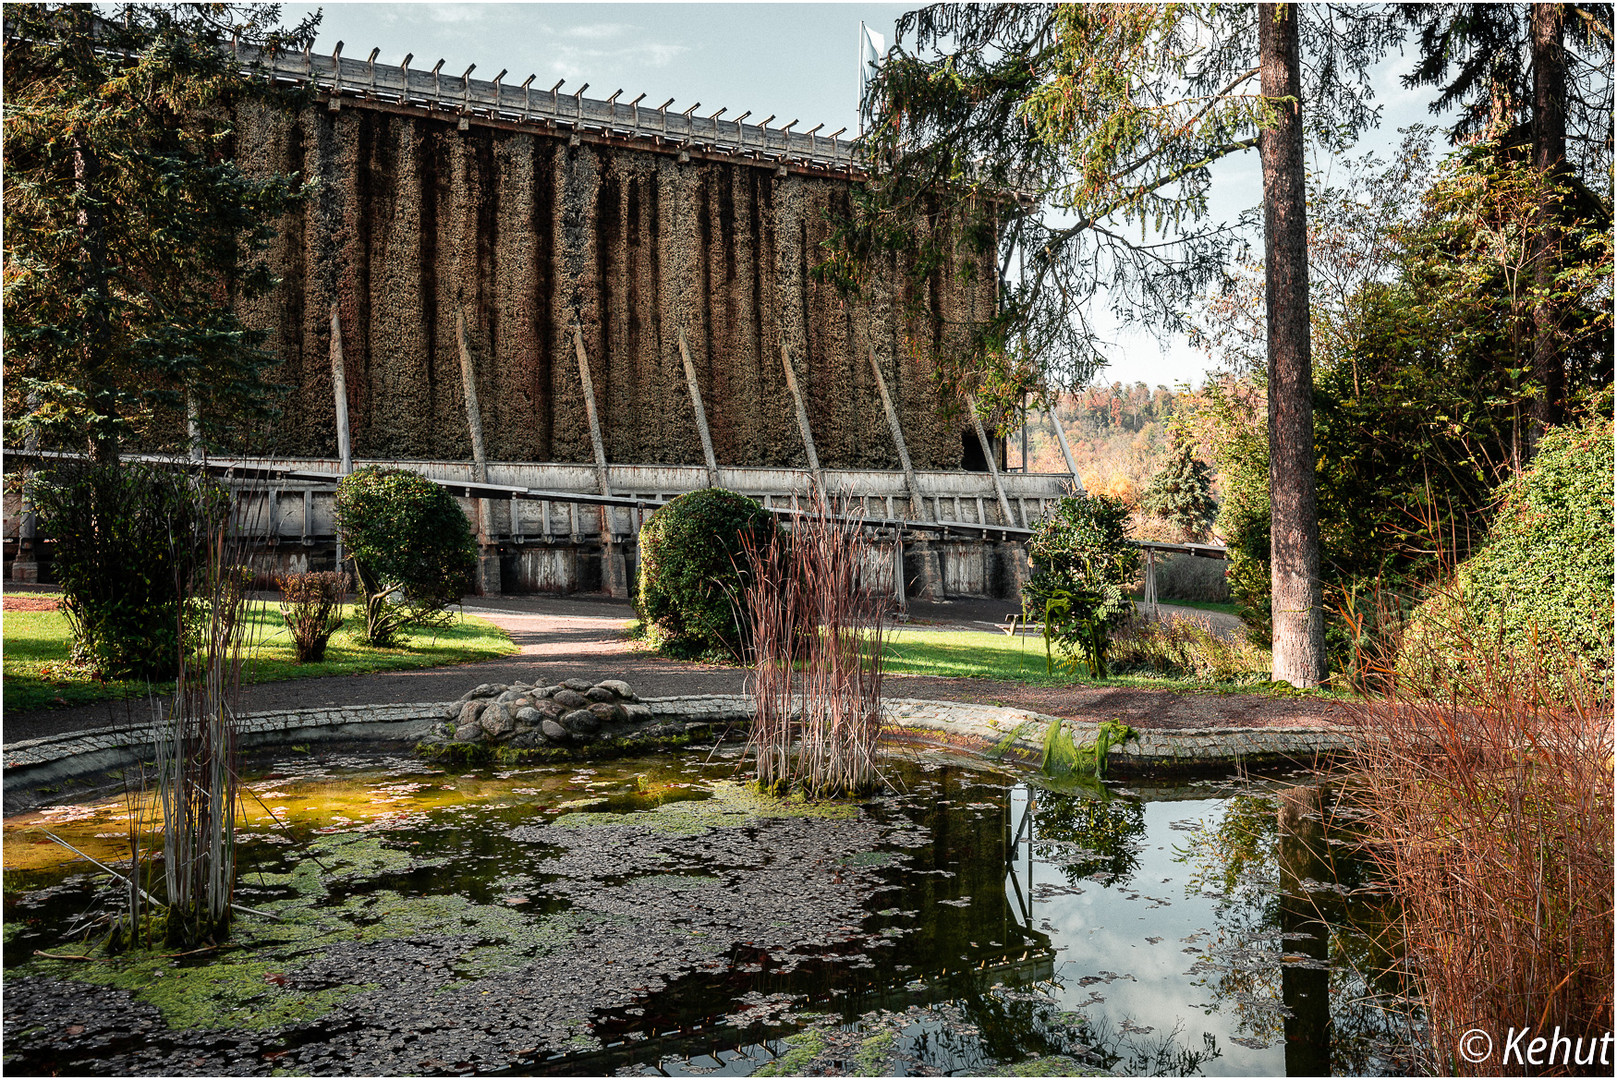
x,y
656,916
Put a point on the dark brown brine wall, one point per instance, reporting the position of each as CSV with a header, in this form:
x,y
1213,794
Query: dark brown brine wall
x,y
414,222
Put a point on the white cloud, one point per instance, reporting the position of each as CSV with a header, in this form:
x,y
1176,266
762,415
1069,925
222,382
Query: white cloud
x,y
456,13
579,62
598,31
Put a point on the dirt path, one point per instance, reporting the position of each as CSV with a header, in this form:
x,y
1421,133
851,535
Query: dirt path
x,y
559,637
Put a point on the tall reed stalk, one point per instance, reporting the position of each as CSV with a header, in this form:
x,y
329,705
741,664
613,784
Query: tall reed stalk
x,y
196,744
815,652
1490,809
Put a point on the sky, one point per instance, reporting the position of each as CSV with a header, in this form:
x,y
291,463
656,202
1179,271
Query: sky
x,y
796,61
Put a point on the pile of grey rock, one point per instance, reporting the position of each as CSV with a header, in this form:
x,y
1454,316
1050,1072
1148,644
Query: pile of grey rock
x,y
573,713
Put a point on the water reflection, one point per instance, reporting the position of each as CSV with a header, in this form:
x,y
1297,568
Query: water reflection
x,y
969,922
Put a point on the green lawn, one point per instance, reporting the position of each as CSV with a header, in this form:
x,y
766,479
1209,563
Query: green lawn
x,y
967,654
36,650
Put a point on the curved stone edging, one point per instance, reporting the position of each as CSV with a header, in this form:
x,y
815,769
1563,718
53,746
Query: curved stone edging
x,y
1017,734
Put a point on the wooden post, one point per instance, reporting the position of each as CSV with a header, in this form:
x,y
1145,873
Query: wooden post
x,y
488,555
802,418
615,574
898,573
931,568
339,387
193,427
1024,437
1066,451
701,414
26,565
898,440
339,384
988,455
589,412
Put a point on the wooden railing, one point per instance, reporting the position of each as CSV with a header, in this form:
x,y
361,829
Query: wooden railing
x,y
433,89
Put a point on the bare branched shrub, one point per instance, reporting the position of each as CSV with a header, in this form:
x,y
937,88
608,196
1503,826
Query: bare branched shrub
x,y
311,607
1490,809
815,650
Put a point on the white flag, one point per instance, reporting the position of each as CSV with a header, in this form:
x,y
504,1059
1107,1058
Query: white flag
x,y
872,48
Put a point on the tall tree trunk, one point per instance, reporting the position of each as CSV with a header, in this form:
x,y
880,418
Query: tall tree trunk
x,y
1549,153
1299,626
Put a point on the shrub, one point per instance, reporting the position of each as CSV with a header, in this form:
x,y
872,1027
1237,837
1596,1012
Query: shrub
x,y
1544,572
1084,568
691,555
412,547
127,538
311,607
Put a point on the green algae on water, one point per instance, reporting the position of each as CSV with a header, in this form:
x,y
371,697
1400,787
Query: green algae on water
x,y
732,805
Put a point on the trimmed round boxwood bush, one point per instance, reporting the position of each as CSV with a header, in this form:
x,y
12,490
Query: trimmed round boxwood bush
x,y
691,560
412,547
1541,583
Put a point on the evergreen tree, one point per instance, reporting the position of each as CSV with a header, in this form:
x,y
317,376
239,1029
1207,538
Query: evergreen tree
x,y
1102,119
1072,129
1537,79
1181,493
129,230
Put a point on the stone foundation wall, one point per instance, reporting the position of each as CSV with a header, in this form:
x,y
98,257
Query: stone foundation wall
x,y
527,234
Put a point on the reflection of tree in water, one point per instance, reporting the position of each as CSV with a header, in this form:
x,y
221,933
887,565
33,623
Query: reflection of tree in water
x,y
1088,831
1298,941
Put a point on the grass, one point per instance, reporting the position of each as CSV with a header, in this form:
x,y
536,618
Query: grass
x,y
1490,811
956,654
967,654
37,676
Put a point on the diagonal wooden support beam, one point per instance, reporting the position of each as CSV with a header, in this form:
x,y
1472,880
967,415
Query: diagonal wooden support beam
x,y
1066,451
589,411
488,553
614,570
921,510
802,418
988,455
339,386
701,414
474,424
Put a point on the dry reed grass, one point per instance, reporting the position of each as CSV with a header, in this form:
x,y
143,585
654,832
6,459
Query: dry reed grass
x,y
194,786
1490,814
1185,647
816,658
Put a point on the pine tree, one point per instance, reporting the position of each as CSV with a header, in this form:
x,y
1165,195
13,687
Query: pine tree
x,y
129,230
1181,493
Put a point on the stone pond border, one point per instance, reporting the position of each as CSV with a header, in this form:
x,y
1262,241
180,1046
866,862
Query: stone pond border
x,y
36,768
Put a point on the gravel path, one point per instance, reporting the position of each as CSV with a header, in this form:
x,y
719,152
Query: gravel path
x,y
560,637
